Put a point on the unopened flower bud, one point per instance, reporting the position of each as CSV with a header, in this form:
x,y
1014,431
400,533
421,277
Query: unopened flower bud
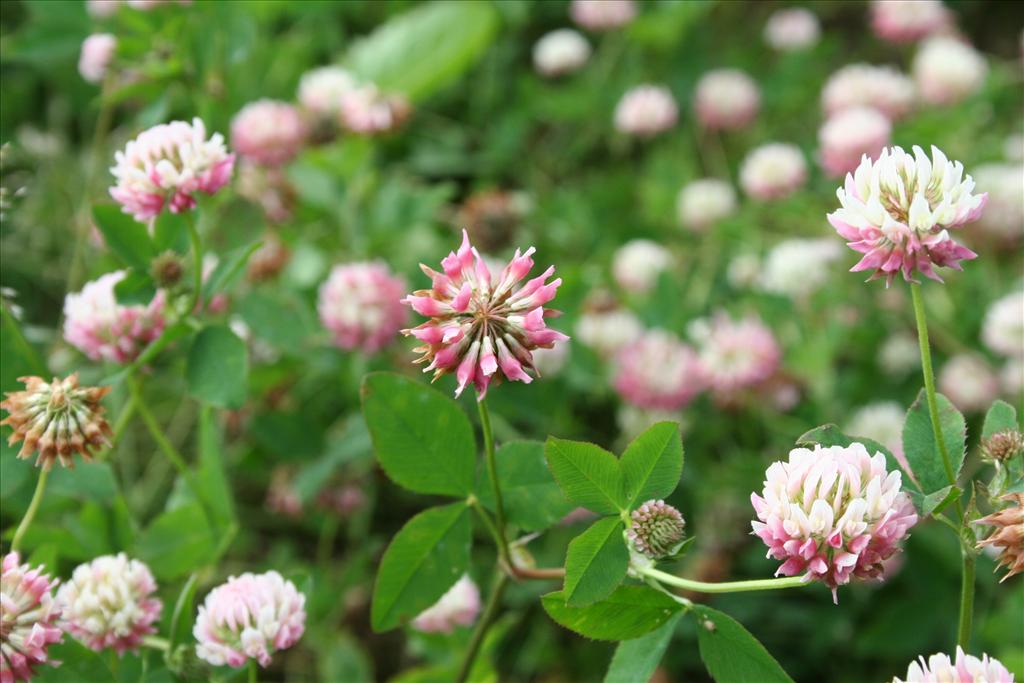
x,y
657,530
166,269
1003,445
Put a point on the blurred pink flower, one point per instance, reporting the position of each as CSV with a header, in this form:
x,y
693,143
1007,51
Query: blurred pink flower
x,y
361,305
850,135
97,53
101,328
734,355
726,99
322,89
969,382
251,616
1003,329
864,85
28,619
645,111
964,669
896,212
608,331
168,164
267,186
792,29
109,603
560,52
342,500
483,328
832,514
282,498
101,9
602,15
658,371
268,132
904,21
773,171
637,265
458,607
947,70
367,110
1003,219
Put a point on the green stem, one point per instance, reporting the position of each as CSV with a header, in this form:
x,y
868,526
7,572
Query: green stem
x,y
963,634
156,642
493,603
486,519
30,514
253,671
492,473
157,433
726,587
123,419
197,261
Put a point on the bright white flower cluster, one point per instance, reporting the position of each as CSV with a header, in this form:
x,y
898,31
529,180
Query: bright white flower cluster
x,y
1003,329
773,171
459,606
948,71
252,616
608,331
560,52
864,85
788,30
848,136
904,21
637,265
97,53
704,202
645,111
1004,214
322,89
109,603
797,268
726,99
964,669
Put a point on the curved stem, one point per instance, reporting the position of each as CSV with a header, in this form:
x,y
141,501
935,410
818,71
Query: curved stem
x,y
197,260
123,418
157,433
963,633
30,514
493,603
492,473
726,587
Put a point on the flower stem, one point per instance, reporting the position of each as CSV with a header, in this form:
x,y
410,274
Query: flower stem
x,y
492,473
726,587
253,671
158,434
156,642
963,634
197,260
493,603
30,514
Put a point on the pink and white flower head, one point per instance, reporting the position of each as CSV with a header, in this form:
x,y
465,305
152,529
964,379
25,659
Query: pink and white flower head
x,y
898,211
637,265
849,136
734,355
702,203
267,186
645,111
793,29
110,603
483,328
560,52
268,132
369,111
899,354
361,305
322,89
101,328
97,53
882,422
964,669
602,15
166,166
658,371
773,171
864,85
969,382
797,268
948,71
1004,214
1003,329
904,21
832,514
726,99
28,619
101,9
608,331
252,616
457,607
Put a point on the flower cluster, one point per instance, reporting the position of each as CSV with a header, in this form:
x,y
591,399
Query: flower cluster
x,y
360,303
609,330
1004,214
109,603
897,212
28,618
368,110
645,111
773,171
832,514
656,529
734,355
904,21
789,30
602,15
702,203
483,328
97,53
1007,533
560,52
726,99
251,616
637,265
796,268
849,136
101,328
459,606
56,419
166,166
969,382
1003,329
964,669
322,89
268,132
947,70
864,85
658,371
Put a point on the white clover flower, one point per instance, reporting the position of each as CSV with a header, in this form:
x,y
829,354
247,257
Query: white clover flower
x,y
726,99
904,21
1004,213
788,30
608,331
322,89
645,111
899,354
602,15
97,53
560,52
965,669
773,171
968,382
948,71
850,135
1003,329
797,268
702,203
637,265
864,85
459,606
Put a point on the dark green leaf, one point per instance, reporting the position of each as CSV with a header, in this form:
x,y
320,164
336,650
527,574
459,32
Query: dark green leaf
x,y
635,660
218,367
135,288
171,232
731,654
587,474
652,463
919,442
531,496
1000,417
421,437
89,480
280,318
595,563
934,502
211,477
78,663
125,236
180,627
424,560
176,542
629,612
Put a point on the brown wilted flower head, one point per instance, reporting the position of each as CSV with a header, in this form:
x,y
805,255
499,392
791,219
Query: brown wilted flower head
x,y
56,419
1008,534
1003,445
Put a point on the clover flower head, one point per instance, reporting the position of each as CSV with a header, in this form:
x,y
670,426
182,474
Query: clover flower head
x,y
645,111
1007,533
103,329
702,203
166,165
881,421
884,88
459,606
1004,214
1003,445
360,303
947,70
832,514
726,99
898,211
109,603
608,331
28,618
658,371
268,132
734,354
657,529
367,110
969,382
560,52
964,669
602,15
252,616
792,29
905,21
97,53
773,171
850,135
483,327
796,268
322,89
637,265
56,419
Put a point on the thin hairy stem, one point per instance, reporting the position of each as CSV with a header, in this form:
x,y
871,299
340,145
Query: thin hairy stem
x,y
490,611
492,473
963,632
